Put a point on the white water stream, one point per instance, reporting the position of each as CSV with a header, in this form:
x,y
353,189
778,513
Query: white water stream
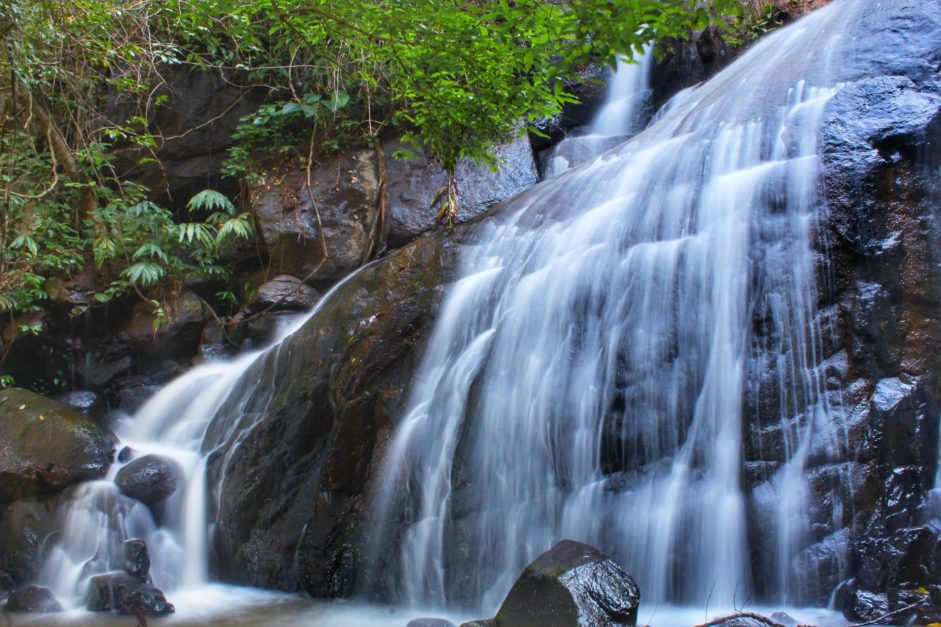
x,y
621,116
586,376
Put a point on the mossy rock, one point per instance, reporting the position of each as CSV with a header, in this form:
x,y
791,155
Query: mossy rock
x,y
45,447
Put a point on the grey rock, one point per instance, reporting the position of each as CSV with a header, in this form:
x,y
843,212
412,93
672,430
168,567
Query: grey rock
x,y
414,182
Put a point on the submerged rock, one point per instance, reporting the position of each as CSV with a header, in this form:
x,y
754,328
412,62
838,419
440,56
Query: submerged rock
x,y
33,600
120,592
150,479
571,584
429,622
45,446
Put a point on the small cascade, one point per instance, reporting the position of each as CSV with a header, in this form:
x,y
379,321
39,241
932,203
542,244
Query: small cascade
x,y
586,376
99,519
621,116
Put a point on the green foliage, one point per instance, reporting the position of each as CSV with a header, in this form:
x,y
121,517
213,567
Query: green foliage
x,y
452,76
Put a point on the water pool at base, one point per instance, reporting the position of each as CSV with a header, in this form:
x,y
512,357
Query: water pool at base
x,y
230,606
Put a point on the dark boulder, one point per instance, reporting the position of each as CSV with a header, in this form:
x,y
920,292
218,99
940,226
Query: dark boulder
x,y
119,591
24,528
45,447
174,337
33,600
137,560
571,584
859,605
150,479
284,293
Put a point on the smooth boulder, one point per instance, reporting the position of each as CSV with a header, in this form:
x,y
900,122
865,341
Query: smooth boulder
x,y
150,479
119,591
571,584
45,447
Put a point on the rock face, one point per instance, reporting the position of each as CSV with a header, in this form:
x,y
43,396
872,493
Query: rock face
x,y
291,495
571,584
338,211
45,447
878,310
414,183
150,479
342,210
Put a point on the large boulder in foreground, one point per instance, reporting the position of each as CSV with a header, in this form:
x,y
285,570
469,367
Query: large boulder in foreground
x,y
45,446
570,584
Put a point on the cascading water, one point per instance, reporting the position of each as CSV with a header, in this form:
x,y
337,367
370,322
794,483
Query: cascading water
x,y
173,425
621,116
587,373
586,376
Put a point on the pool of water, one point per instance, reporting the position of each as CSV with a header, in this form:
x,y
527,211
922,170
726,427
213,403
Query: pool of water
x,y
223,606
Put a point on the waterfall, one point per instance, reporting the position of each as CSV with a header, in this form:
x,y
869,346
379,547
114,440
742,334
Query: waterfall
x,y
621,116
586,375
173,424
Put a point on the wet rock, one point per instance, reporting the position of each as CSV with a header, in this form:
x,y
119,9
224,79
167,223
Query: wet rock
x,y
44,446
296,484
908,558
88,402
571,584
126,454
859,605
429,622
119,591
414,183
24,527
193,132
33,600
285,293
137,560
339,212
150,479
